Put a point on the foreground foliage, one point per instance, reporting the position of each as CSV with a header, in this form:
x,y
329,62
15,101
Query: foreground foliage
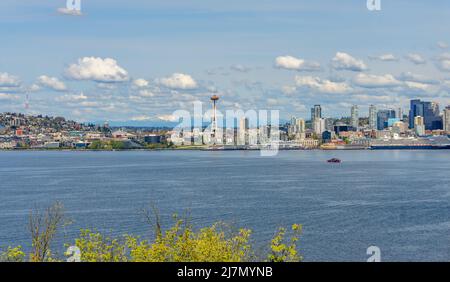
x,y
180,243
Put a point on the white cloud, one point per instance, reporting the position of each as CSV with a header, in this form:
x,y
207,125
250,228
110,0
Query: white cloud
x,y
146,93
343,61
140,83
442,45
70,12
444,62
52,83
322,85
417,85
240,68
272,102
179,81
293,63
6,96
72,98
107,86
171,118
415,58
141,118
412,77
97,69
34,87
288,89
384,57
375,81
7,80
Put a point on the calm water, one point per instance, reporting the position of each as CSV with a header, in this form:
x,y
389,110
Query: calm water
x,y
396,200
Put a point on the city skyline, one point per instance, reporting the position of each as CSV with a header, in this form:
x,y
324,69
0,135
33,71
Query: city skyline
x,y
252,56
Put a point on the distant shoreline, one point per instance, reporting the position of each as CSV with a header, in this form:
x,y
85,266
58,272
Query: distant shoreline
x,y
206,150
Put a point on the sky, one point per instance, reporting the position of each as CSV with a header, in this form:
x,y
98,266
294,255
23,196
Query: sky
x,y
142,60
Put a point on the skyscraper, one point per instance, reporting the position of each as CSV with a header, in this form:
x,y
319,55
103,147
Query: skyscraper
x,y
447,119
243,131
372,117
297,128
399,113
319,126
429,111
383,117
355,117
316,112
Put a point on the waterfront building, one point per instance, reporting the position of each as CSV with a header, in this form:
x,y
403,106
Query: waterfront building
x,y
399,127
316,113
153,139
355,117
372,117
383,117
327,136
419,125
309,143
339,128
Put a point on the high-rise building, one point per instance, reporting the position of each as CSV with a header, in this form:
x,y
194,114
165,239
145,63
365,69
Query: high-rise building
x,y
419,125
297,128
399,113
316,113
355,117
243,131
319,126
243,124
447,119
372,117
383,117
429,111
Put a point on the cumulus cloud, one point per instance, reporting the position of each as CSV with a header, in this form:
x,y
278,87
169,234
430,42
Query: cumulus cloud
x,y
7,80
33,87
343,61
146,93
384,57
288,89
293,63
140,83
443,62
415,58
171,118
52,83
179,81
412,77
375,81
322,85
97,69
72,98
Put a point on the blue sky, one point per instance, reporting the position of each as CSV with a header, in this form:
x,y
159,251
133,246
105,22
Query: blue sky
x,y
142,60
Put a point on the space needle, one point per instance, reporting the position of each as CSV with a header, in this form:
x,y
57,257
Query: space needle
x,y
214,99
